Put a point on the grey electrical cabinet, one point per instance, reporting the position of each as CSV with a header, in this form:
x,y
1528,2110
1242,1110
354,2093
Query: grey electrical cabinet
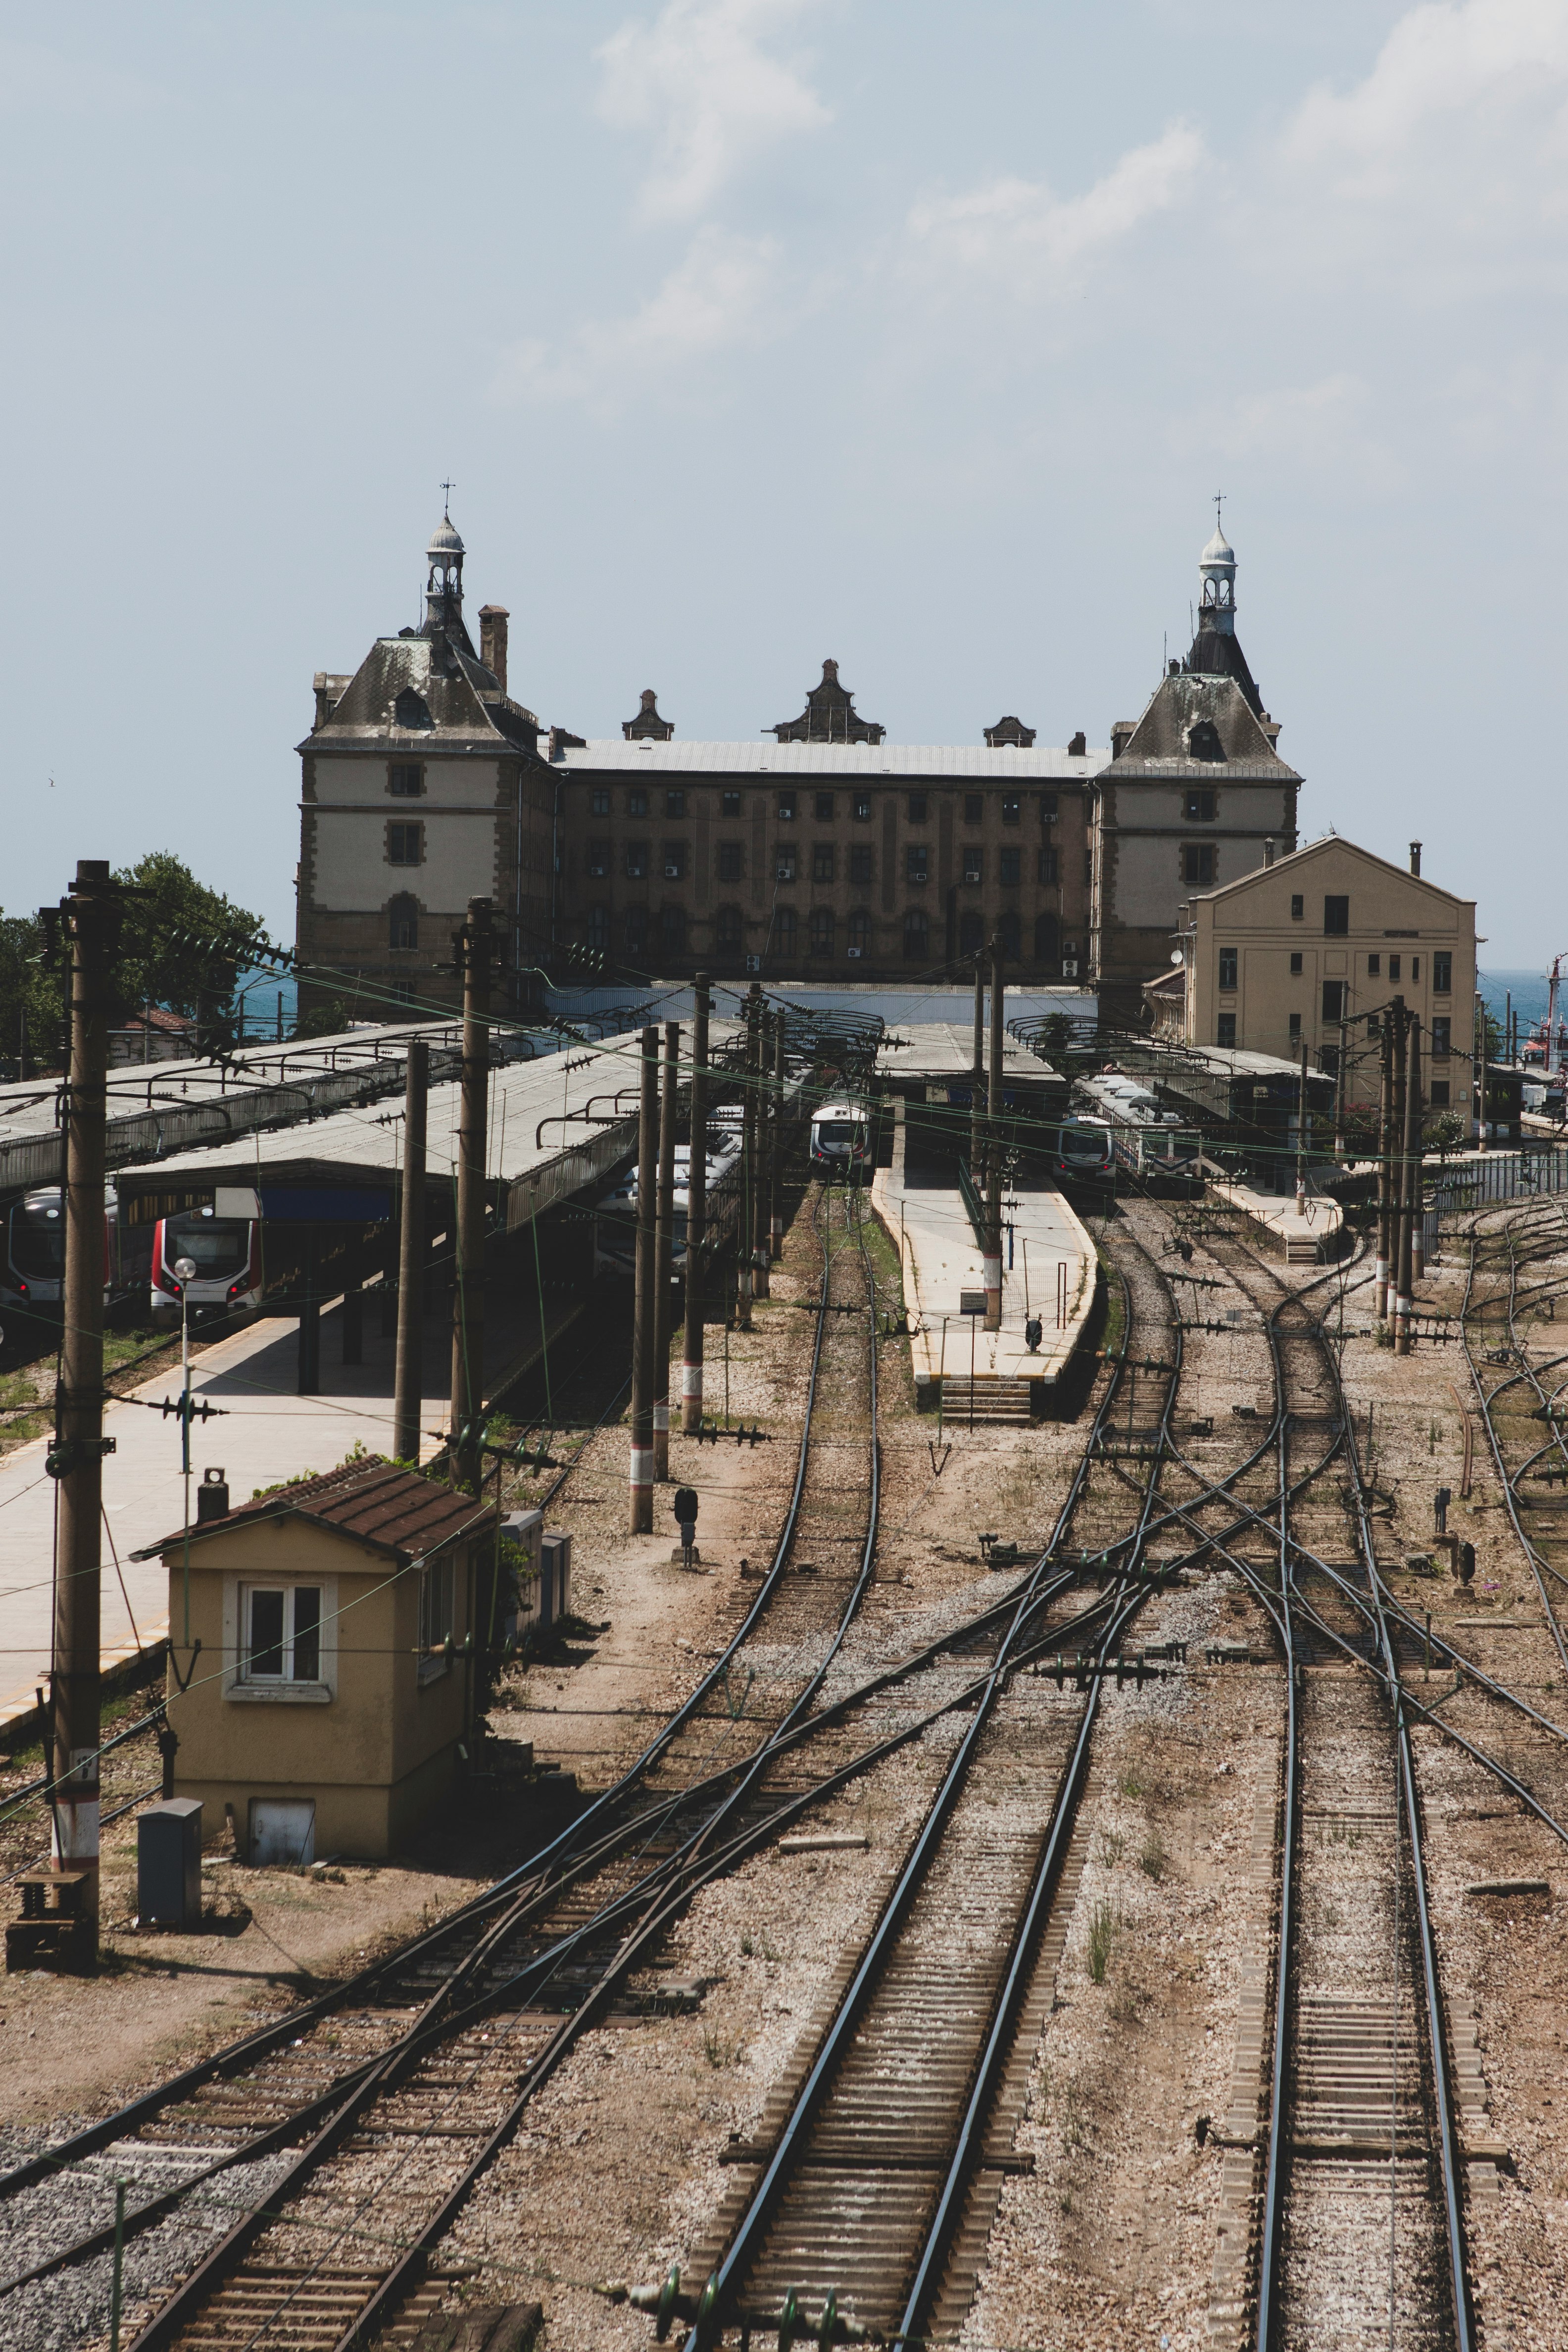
x,y
169,1865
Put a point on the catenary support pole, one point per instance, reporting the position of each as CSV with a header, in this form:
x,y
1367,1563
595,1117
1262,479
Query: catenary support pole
x,y
761,1255
407,1380
993,1149
641,1520
978,1073
776,1158
696,1289
1398,1296
1385,1166
664,1248
90,916
745,1258
1411,1205
475,947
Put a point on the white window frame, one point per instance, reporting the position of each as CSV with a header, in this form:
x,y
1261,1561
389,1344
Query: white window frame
x,y
437,1616
268,1690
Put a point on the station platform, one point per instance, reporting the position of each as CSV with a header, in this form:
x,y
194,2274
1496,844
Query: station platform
x,y
968,1372
1310,1240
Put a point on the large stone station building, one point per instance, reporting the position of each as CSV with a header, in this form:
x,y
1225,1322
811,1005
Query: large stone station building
x,y
821,850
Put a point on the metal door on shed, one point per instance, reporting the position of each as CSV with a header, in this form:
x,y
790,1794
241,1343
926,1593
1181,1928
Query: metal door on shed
x,y
282,1830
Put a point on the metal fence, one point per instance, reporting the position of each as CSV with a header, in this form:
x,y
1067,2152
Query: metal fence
x,y
1492,1176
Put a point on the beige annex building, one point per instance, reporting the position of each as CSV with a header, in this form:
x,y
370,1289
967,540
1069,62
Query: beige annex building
x,y
1301,952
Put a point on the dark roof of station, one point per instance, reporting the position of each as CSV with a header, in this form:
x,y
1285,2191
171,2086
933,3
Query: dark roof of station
x,y
373,1501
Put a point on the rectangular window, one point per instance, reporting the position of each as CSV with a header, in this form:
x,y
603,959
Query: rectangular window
x,y
1200,808
282,1633
1329,1060
599,803
675,861
1298,907
1012,868
786,808
729,861
1197,861
822,861
1011,806
1227,967
860,867
729,803
435,1618
1442,1031
1047,807
1295,1028
1442,974
636,802
1440,1097
1050,865
636,861
861,808
1333,998
1374,967
784,866
596,858
1336,917
405,844
675,804
405,782
917,808
823,806
915,862
1393,967
972,865
974,808
1296,967
1414,967
1224,1029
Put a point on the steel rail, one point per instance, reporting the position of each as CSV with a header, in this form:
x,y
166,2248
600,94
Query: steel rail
x,y
1510,1496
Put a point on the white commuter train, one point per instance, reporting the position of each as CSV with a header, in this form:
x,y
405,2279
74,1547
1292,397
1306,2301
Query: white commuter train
x,y
840,1140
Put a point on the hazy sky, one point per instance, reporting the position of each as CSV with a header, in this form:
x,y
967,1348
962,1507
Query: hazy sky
x,y
753,330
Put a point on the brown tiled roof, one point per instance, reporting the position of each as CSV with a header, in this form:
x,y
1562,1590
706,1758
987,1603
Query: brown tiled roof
x,y
391,1510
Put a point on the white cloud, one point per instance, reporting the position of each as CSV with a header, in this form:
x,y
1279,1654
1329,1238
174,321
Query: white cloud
x,y
1017,228
700,77
722,294
1439,62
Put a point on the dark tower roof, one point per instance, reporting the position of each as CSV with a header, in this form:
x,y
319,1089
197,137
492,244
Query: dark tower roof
x,y
1217,649
829,716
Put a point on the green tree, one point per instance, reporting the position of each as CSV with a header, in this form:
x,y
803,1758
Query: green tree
x,y
30,1004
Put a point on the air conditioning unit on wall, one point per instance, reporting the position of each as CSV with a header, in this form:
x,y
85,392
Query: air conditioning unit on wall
x,y
854,951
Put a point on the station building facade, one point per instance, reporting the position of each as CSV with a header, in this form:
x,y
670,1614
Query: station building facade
x,y
821,850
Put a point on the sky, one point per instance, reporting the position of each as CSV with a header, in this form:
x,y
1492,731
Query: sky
x,y
750,331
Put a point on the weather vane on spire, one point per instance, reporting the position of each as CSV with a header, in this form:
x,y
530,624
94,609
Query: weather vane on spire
x,y
446,489
1218,502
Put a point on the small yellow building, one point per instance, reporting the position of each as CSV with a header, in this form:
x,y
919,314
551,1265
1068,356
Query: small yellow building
x,y
331,1691
1301,952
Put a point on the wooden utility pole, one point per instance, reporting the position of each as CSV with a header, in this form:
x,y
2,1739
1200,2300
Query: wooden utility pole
x,y
475,945
993,1251
977,1072
696,1217
664,1249
762,1079
641,1521
776,1158
408,1379
76,1461
1385,1167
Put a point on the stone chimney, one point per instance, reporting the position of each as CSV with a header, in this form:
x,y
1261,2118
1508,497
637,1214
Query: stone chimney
x,y
494,619
1415,857
1078,748
1269,851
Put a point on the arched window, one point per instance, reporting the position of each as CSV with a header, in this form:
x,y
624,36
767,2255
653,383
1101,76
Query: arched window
x,y
783,941
860,931
402,921
636,922
599,928
821,929
672,930
1012,932
916,936
411,709
970,934
726,930
1047,945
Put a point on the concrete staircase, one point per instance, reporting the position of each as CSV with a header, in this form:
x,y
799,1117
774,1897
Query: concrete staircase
x,y
988,1398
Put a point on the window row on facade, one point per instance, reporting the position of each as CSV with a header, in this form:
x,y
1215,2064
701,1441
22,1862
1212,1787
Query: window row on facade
x,y
672,859
1442,970
787,806
636,929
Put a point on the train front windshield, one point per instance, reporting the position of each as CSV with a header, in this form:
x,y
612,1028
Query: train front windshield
x,y
218,1247
38,1243
838,1130
1078,1145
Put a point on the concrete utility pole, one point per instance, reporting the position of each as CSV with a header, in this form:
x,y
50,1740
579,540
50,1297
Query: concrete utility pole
x,y
1339,1090
762,1153
475,945
696,1217
994,1154
1385,1167
90,916
1301,1137
1409,1259
664,1249
407,1387
1398,1052
744,1250
977,1072
641,1522
775,1161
